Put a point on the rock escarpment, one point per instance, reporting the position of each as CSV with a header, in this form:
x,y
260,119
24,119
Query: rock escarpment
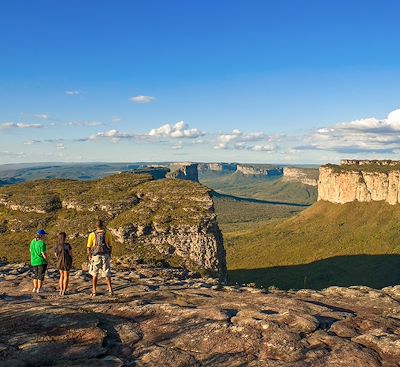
x,y
218,167
259,170
184,171
170,318
167,220
306,176
363,181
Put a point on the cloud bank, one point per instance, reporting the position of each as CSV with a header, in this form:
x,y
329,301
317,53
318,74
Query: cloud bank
x,y
368,135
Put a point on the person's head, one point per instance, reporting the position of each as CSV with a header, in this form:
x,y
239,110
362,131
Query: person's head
x,y
99,224
61,242
61,237
41,233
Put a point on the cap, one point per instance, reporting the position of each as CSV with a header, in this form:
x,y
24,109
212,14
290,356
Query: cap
x,y
41,232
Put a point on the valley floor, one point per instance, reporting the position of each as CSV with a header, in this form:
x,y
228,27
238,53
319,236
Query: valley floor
x,y
167,317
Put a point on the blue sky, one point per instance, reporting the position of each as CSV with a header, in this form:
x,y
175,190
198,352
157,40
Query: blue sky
x,y
285,81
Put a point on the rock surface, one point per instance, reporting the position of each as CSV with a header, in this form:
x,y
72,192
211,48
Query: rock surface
x,y
169,317
259,170
306,176
355,181
184,171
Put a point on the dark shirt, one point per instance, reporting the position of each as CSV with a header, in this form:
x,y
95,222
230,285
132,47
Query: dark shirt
x,y
67,248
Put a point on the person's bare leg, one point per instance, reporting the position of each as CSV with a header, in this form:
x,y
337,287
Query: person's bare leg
x,y
65,281
94,285
39,285
108,280
34,285
61,282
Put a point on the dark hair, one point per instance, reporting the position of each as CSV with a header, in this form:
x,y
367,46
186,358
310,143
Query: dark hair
x,y
61,242
99,224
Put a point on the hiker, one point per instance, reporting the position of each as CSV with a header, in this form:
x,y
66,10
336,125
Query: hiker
x,y
99,247
63,253
37,249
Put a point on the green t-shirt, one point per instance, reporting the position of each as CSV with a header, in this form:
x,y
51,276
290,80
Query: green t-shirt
x,y
36,248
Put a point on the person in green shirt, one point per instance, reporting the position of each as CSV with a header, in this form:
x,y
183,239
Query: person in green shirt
x,y
38,259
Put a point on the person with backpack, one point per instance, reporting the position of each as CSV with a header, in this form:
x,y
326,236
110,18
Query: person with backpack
x,y
63,253
99,248
37,249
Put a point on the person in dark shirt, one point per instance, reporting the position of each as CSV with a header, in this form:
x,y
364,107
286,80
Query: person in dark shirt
x,y
63,253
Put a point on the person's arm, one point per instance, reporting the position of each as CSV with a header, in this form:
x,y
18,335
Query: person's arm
x,y
44,252
89,245
109,240
70,250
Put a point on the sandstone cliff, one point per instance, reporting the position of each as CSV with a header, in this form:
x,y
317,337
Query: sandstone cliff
x,y
306,176
363,181
169,220
184,171
259,170
218,167
170,318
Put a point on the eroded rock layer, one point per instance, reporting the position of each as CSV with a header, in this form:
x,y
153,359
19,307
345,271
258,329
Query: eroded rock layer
x,y
353,181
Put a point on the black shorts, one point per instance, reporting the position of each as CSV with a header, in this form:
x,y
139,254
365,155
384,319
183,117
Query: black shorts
x,y
39,271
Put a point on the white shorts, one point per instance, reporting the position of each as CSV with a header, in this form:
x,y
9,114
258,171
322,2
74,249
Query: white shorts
x,y
100,264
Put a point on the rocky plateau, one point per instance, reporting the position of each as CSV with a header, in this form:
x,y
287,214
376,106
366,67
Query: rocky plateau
x,y
173,317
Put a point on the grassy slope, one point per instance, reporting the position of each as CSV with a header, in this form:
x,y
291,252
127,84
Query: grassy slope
x,y
273,189
341,233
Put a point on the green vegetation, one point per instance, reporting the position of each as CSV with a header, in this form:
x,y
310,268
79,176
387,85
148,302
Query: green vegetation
x,y
284,253
71,206
262,188
238,216
373,167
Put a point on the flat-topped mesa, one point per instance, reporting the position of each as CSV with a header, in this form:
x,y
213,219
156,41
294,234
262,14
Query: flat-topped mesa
x,y
363,162
217,167
250,170
184,171
362,181
307,176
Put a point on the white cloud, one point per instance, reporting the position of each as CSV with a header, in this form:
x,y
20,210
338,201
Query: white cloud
x,y
42,116
31,142
84,123
115,119
60,146
264,148
114,135
142,99
177,146
239,140
19,125
12,154
359,136
72,92
179,130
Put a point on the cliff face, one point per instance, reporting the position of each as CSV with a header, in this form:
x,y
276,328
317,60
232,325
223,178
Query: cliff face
x,y
259,171
172,220
218,167
359,182
184,171
305,176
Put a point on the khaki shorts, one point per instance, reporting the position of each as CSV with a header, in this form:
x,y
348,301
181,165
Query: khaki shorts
x,y
100,264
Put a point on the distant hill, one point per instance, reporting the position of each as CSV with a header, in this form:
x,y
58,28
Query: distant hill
x,y
323,245
259,187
